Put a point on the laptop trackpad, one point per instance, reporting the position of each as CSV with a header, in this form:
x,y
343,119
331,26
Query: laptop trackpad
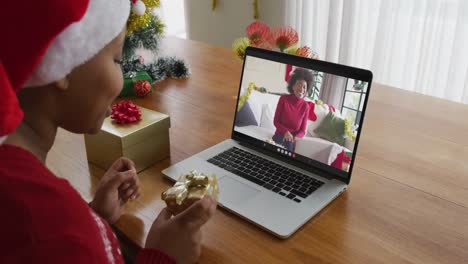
x,y
234,191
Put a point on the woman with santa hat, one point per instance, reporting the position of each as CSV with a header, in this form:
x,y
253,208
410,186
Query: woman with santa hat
x,y
60,67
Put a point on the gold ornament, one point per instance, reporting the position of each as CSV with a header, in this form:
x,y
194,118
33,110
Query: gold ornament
x,y
255,8
213,4
256,15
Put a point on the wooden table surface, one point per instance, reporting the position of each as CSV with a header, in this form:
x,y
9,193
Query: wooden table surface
x,y
408,197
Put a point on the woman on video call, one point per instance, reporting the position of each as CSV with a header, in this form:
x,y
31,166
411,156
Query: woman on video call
x,y
292,110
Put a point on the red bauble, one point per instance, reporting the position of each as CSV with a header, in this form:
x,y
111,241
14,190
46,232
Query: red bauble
x,y
142,88
125,112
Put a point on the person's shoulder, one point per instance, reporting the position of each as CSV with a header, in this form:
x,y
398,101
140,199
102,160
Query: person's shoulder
x,y
16,162
51,213
22,174
10,153
45,203
38,212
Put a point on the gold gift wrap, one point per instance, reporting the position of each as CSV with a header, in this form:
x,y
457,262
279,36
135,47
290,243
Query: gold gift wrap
x,y
144,142
188,189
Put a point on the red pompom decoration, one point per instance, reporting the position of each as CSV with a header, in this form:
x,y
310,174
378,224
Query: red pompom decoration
x,y
125,112
142,88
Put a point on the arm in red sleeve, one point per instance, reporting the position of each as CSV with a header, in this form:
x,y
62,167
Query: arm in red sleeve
x,y
302,130
152,255
280,129
70,249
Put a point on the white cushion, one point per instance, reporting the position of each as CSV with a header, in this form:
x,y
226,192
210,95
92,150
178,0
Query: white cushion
x,y
258,99
268,115
318,149
321,111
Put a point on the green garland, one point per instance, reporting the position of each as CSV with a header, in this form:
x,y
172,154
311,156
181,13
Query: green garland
x,y
245,96
148,38
162,68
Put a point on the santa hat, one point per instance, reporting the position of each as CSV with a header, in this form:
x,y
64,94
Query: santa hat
x,y
45,40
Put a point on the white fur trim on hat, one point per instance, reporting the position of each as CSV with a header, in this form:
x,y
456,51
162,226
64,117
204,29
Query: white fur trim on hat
x,y
102,22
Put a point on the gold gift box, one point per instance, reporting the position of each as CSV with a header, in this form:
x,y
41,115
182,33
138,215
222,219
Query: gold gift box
x,y
188,189
144,142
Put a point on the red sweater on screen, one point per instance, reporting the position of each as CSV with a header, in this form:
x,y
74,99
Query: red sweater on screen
x,y
291,115
44,220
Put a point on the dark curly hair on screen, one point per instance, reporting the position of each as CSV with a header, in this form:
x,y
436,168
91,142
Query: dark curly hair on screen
x,y
301,74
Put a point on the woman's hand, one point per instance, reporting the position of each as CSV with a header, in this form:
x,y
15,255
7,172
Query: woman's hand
x,y
180,236
288,136
119,184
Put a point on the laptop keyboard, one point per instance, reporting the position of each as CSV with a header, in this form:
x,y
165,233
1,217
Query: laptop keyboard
x,y
279,179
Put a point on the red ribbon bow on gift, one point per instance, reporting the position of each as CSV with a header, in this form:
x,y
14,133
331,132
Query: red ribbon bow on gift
x,y
125,112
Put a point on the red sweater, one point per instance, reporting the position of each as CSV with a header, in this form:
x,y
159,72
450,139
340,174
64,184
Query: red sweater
x,y
291,115
44,220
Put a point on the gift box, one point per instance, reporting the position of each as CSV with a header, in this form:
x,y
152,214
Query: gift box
x,y
145,141
188,189
129,82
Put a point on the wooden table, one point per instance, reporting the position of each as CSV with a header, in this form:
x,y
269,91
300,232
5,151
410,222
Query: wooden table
x,y
408,198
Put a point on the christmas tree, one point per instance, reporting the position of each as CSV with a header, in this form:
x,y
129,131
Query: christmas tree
x,y
144,32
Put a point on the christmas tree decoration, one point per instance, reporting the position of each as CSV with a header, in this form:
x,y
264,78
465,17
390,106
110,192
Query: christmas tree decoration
x,y
165,67
138,7
130,78
144,32
141,14
125,112
147,38
142,88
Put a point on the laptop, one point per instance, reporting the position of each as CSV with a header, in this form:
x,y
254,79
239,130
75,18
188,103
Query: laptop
x,y
268,178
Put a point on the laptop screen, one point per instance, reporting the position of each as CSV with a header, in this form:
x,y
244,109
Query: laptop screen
x,y
306,113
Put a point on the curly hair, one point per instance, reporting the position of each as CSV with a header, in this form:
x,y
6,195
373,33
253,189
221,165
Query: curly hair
x,y
301,74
